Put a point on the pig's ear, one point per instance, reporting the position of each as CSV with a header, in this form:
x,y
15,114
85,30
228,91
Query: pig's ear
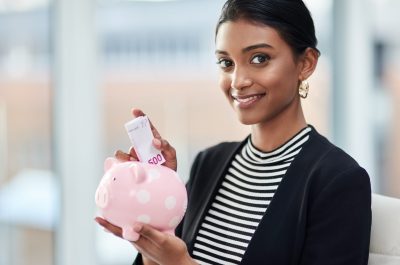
x,y
138,172
109,162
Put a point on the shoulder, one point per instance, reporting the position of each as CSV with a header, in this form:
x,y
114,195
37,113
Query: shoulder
x,y
333,158
333,166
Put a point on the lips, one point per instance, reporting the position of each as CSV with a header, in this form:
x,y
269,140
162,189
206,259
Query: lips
x,y
247,100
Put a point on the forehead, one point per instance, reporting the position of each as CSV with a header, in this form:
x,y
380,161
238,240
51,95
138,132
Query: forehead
x,y
243,33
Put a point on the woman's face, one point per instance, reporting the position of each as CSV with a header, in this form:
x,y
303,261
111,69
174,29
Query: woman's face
x,y
258,72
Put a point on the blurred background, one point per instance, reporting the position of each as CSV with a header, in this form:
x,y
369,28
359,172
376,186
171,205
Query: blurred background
x,y
71,70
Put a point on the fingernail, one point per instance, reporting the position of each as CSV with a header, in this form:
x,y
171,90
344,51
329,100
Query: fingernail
x,y
137,227
157,141
118,153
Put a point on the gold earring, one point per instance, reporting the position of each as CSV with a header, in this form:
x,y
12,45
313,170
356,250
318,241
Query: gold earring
x,y
303,89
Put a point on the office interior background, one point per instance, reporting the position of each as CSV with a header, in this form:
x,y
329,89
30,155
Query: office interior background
x,y
71,70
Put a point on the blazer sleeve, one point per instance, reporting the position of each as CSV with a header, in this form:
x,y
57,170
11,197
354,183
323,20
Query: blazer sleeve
x,y
178,230
339,223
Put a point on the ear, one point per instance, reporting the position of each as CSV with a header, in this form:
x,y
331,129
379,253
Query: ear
x,y
308,63
109,162
138,172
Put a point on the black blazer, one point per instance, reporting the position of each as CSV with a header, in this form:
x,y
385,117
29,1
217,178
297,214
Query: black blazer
x,y
319,215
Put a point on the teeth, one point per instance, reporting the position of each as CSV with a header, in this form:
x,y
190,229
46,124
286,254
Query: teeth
x,y
245,100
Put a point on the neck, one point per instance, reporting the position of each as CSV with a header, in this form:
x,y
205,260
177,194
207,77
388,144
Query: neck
x,y
271,134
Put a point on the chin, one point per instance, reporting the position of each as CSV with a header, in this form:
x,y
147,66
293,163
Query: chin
x,y
246,120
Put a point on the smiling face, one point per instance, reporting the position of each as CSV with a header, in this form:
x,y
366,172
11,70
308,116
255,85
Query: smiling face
x,y
258,72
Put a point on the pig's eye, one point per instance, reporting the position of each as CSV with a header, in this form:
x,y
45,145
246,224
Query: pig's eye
x,y
114,178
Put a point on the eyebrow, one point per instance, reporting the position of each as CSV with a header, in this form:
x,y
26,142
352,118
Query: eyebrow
x,y
247,49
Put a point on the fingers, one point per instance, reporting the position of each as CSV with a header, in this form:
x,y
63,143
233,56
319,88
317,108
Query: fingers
x,y
137,113
168,151
109,227
160,144
122,156
163,145
132,153
143,245
148,261
156,134
147,233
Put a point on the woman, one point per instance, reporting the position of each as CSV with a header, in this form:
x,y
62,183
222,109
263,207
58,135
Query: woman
x,y
284,195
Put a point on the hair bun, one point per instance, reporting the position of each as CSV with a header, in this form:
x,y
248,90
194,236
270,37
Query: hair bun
x,y
291,18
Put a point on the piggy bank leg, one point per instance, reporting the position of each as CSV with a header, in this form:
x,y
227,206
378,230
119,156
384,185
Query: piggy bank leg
x,y
129,234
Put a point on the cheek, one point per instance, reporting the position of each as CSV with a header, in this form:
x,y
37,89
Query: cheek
x,y
224,83
283,81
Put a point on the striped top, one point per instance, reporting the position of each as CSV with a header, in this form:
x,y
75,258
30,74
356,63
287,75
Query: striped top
x,y
242,199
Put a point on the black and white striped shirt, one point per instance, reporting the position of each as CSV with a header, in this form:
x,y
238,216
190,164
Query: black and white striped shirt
x,y
248,188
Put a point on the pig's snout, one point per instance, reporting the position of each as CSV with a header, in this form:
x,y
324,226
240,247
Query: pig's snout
x,y
102,197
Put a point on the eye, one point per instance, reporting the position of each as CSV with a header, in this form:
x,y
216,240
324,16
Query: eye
x,y
225,63
114,178
259,59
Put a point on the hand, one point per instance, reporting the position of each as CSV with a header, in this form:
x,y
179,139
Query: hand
x,y
156,247
117,231
161,144
161,247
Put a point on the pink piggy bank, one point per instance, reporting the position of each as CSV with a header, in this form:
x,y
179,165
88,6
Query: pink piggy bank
x,y
131,192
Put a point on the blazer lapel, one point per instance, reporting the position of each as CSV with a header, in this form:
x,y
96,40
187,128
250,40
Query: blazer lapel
x,y
209,188
278,232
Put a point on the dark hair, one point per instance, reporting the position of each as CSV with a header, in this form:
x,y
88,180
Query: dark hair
x,y
290,18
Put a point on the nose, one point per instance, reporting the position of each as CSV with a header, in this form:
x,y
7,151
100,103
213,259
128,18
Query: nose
x,y
240,79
